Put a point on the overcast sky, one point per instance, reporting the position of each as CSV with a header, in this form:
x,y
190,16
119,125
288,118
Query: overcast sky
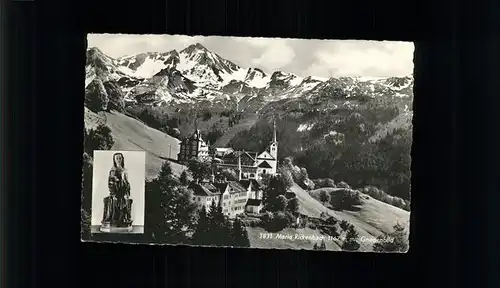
x,y
323,58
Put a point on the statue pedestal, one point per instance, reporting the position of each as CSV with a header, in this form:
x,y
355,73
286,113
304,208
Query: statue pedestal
x,y
108,228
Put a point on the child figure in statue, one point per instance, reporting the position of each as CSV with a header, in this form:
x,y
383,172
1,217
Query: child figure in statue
x,y
118,205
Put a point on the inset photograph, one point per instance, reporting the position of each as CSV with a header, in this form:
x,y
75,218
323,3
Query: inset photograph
x,y
118,192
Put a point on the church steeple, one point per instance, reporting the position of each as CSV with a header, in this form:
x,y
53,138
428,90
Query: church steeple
x,y
273,148
274,131
239,167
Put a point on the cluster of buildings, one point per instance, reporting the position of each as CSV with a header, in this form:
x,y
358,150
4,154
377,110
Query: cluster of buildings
x,y
235,197
243,195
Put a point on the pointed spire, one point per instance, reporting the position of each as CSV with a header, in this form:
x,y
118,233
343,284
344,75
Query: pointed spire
x,y
274,130
239,167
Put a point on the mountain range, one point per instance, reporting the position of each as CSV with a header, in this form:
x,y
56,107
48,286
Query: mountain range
x,y
196,75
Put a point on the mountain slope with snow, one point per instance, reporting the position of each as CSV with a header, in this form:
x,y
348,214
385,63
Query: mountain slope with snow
x,y
200,77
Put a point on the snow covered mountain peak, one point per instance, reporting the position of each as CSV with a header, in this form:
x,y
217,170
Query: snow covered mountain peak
x,y
196,74
194,48
281,79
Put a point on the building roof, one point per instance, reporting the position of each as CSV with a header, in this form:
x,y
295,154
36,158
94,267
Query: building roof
x,y
254,202
237,188
204,189
221,186
246,182
256,184
265,155
264,164
236,154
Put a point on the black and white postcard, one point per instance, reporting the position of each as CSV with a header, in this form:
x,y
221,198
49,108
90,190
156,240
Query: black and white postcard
x,y
263,143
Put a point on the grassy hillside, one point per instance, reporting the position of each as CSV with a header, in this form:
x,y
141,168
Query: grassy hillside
x,y
373,212
373,219
131,134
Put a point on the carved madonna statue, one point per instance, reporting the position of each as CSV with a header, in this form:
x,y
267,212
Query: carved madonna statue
x,y
118,205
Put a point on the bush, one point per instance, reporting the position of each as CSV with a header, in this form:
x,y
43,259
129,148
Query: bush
x,y
308,185
324,183
280,203
295,174
97,139
331,221
324,197
274,222
266,218
277,204
287,177
312,225
342,184
330,230
344,225
346,199
386,198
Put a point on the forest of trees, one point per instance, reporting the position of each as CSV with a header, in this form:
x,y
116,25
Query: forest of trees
x,y
214,229
175,218
157,119
347,155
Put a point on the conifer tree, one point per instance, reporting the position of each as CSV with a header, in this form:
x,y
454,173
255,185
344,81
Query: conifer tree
x,y
315,247
202,231
344,225
275,188
199,169
99,138
396,241
170,207
220,227
183,178
322,245
351,243
239,234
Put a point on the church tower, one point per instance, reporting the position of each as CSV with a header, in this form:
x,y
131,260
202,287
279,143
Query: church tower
x,y
273,148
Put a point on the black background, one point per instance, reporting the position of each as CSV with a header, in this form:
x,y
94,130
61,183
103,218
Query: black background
x,y
454,183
